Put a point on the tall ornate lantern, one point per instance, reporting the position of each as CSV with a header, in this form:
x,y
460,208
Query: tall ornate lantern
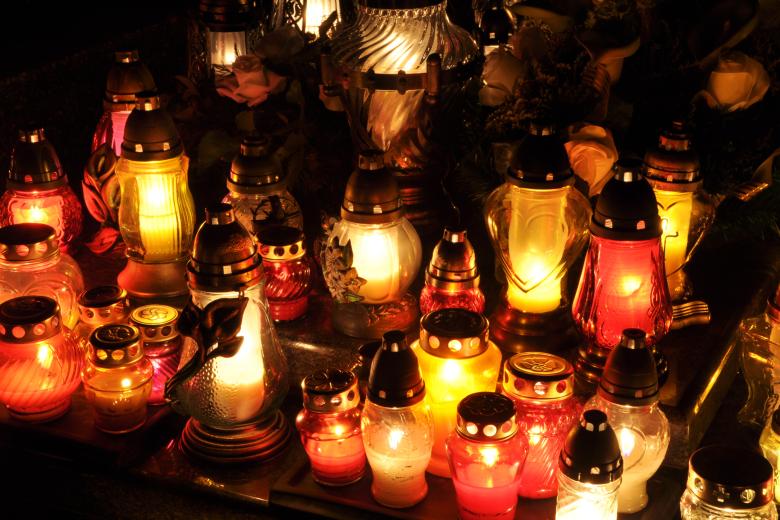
x,y
233,373
308,15
538,223
156,214
389,68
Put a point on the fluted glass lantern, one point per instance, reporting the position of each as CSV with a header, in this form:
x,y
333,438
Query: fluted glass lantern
x,y
686,210
623,282
372,255
233,374
37,189
397,59
538,224
156,214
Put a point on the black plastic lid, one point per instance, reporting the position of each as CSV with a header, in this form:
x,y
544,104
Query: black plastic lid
x,y
626,208
255,169
35,164
630,375
486,417
591,453
395,378
496,25
541,160
150,133
729,477
372,195
126,78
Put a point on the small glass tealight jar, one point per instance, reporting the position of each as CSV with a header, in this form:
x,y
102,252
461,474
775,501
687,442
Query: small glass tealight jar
x,y
728,483
288,273
486,455
770,447
329,425
542,387
101,305
118,378
161,344
590,470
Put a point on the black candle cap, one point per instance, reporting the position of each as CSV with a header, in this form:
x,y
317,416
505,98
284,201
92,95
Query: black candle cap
x,y
591,453
630,375
541,161
150,133
395,379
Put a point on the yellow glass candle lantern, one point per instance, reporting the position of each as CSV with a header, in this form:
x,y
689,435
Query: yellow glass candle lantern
x,y
456,359
538,224
156,214
233,374
372,256
686,211
117,379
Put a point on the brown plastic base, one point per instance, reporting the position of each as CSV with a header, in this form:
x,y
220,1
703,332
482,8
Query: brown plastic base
x,y
359,320
590,365
147,281
250,443
516,331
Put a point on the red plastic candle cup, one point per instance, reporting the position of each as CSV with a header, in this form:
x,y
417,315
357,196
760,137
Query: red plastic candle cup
x,y
161,344
329,425
288,274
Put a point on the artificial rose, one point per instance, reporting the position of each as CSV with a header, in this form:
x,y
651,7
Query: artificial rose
x,y
499,75
592,153
251,82
737,82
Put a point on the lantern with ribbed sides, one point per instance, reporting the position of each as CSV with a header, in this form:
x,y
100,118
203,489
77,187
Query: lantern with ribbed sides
x,y
398,61
233,374
537,223
156,214
623,282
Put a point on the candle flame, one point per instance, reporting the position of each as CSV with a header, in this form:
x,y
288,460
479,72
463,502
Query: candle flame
x,y
630,285
395,438
44,356
534,435
627,442
37,214
126,383
489,456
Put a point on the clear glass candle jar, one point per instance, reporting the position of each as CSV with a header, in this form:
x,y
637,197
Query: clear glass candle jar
x,y
288,271
37,189
161,344
542,388
31,263
329,425
397,425
486,455
456,359
727,483
117,378
40,360
102,305
770,447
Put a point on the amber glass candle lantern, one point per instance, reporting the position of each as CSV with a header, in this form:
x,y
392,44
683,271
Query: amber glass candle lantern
x,y
40,361
31,263
126,78
156,214
161,343
37,189
590,471
452,276
686,211
257,189
542,388
538,224
117,378
397,425
486,456
628,394
102,305
329,425
372,255
456,359
623,282
233,374
389,69
728,483
288,271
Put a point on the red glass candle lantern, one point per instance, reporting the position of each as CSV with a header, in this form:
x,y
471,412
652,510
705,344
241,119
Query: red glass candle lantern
x,y
40,361
117,379
329,425
126,78
161,344
288,271
623,282
541,385
486,456
452,277
37,189
102,305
